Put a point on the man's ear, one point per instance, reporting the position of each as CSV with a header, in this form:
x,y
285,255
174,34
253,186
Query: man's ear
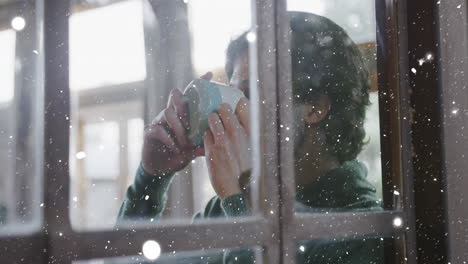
x,y
318,110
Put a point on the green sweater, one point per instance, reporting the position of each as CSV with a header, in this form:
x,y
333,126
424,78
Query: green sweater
x,y
342,189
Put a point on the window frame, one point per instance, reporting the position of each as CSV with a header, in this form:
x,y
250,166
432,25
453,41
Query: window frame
x,y
59,242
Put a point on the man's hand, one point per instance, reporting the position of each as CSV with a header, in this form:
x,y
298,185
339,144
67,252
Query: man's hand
x,y
166,148
227,148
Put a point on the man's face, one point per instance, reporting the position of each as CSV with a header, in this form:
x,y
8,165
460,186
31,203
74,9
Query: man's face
x,y
240,80
240,74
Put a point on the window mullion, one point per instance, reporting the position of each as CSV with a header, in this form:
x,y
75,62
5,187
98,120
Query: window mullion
x,y
427,145
57,128
285,120
395,126
265,103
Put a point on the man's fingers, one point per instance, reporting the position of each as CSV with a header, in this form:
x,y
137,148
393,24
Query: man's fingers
x,y
158,133
208,140
175,125
159,119
177,102
217,128
207,76
174,94
243,113
199,152
230,121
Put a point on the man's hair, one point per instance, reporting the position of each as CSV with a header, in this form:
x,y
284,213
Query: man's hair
x,y
325,61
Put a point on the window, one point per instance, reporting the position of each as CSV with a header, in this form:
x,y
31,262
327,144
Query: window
x,y
348,89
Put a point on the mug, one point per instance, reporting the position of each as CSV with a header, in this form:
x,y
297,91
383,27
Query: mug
x,y
203,98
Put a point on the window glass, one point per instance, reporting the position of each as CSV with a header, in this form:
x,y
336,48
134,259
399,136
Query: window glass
x,y
107,46
102,153
107,74
336,112
95,186
21,125
102,150
7,64
345,250
133,154
209,54
7,51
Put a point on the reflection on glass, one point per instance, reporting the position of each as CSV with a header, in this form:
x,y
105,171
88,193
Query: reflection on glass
x,y
21,95
337,148
342,250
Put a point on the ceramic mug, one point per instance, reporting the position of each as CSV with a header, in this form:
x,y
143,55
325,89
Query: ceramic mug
x,y
203,98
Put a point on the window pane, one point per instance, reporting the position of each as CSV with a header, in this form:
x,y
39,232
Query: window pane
x,y
21,125
7,64
369,250
125,166
99,159
107,53
336,112
107,46
101,147
209,47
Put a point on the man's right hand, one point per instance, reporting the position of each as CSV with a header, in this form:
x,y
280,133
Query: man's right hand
x,y
166,148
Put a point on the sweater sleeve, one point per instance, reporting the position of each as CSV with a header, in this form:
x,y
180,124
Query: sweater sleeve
x,y
146,197
235,205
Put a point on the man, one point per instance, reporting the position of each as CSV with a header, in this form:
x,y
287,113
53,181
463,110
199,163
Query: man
x,y
331,93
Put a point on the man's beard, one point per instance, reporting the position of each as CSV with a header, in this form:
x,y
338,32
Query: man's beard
x,y
299,129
